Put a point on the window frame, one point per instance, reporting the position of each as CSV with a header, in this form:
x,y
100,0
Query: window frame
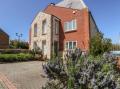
x,y
35,30
57,25
35,45
44,26
67,45
44,45
70,25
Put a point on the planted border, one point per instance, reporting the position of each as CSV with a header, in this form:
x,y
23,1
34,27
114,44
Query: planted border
x,y
16,57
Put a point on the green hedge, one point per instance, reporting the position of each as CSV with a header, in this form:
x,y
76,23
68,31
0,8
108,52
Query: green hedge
x,y
16,57
14,51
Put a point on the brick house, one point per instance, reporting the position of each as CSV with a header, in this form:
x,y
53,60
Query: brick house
x,y
4,40
66,26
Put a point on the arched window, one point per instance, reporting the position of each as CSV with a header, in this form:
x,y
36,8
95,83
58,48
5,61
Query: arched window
x,y
44,26
35,45
35,30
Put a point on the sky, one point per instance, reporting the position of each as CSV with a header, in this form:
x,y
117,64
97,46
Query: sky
x,y
16,16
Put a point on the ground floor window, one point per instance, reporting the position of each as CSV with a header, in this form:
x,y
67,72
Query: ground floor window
x,y
70,45
35,45
44,48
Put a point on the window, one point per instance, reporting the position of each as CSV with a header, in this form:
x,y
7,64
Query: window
x,y
70,45
74,45
35,30
70,26
65,26
56,27
44,48
35,45
66,45
44,26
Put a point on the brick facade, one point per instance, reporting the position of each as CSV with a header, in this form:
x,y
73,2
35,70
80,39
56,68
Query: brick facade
x,y
4,40
85,27
81,35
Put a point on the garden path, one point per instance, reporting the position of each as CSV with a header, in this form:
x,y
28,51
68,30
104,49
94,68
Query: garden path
x,y
24,75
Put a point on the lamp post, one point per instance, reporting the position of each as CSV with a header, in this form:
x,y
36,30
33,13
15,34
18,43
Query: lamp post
x,y
19,36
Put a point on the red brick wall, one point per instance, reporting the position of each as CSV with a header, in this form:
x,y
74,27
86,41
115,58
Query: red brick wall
x,y
81,35
5,41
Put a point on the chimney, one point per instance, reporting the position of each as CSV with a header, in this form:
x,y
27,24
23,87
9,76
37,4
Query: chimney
x,y
52,4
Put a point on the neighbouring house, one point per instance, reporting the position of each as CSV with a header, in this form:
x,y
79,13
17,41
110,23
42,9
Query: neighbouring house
x,y
4,40
63,26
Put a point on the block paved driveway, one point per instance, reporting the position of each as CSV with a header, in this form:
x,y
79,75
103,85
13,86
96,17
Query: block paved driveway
x,y
25,75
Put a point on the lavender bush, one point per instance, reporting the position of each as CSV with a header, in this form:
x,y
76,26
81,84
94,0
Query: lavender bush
x,y
80,72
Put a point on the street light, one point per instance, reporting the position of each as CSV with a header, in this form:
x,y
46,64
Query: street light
x,y
19,36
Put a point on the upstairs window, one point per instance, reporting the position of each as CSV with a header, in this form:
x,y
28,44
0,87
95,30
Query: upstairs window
x,y
69,45
70,26
35,30
44,26
56,27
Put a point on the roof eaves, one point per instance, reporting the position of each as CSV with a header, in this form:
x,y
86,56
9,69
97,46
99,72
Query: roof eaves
x,y
3,32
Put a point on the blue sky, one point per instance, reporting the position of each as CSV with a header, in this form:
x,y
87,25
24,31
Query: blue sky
x,y
17,15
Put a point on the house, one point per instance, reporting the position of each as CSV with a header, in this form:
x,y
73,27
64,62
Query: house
x,y
63,26
4,40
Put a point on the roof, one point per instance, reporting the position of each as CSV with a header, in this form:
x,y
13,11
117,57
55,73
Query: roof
x,y
74,4
4,32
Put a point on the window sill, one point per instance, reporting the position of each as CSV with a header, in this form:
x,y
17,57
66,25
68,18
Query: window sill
x,y
35,36
56,33
43,33
70,31
69,50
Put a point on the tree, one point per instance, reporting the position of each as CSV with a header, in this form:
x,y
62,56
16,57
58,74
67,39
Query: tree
x,y
99,45
107,45
116,47
15,44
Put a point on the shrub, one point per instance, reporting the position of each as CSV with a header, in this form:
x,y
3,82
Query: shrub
x,y
16,44
37,54
99,45
79,72
14,51
16,57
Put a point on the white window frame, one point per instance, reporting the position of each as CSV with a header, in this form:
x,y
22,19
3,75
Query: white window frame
x,y
44,30
44,44
35,30
56,26
35,45
70,25
67,46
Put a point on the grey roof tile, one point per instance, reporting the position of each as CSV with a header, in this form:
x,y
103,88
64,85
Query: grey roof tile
x,y
74,4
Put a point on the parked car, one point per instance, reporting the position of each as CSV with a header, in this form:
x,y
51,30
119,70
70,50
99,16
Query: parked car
x,y
113,54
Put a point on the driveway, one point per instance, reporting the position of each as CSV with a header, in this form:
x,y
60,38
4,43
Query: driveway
x,y
25,75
